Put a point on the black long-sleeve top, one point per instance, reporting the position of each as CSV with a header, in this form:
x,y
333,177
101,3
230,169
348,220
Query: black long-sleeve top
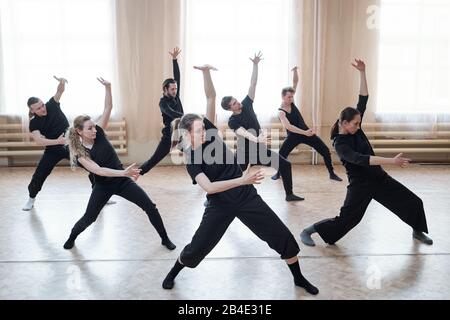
x,y
171,108
355,150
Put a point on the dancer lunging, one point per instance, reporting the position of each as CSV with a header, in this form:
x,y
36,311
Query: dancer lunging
x,y
90,148
367,179
297,130
231,194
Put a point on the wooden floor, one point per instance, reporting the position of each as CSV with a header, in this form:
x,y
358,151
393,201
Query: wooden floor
x,y
120,257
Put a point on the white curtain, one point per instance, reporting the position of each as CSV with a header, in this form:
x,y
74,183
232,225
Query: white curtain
x,y
225,34
66,38
414,61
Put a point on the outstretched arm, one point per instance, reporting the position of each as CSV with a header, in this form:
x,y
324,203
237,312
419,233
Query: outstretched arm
x,y
60,89
398,160
210,91
104,119
295,78
176,69
221,186
256,59
93,167
346,153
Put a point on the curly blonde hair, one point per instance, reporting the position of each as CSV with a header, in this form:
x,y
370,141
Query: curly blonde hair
x,y
73,140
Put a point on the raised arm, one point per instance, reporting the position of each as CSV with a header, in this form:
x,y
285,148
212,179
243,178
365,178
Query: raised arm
x,y
93,167
361,67
295,78
104,119
210,91
44,142
176,69
221,186
252,90
363,90
60,89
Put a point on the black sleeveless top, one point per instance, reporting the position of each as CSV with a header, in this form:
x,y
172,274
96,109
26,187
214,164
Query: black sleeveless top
x,y
295,118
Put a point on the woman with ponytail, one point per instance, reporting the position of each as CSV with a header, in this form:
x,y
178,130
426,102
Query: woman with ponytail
x,y
367,179
90,148
230,193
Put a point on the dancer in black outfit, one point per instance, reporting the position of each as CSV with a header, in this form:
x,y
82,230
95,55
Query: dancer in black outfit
x,y
212,165
47,127
90,148
251,143
367,179
297,130
171,109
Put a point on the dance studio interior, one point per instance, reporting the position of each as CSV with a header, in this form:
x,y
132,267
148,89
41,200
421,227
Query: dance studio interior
x,y
224,150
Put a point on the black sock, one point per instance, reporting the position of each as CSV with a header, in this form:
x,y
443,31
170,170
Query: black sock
x,y
168,282
168,244
300,280
293,197
334,176
70,242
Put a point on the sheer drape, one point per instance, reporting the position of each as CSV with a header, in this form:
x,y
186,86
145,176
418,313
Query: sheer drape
x,y
147,30
331,34
71,39
225,34
414,64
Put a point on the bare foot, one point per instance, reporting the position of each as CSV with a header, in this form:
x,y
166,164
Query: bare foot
x,y
205,67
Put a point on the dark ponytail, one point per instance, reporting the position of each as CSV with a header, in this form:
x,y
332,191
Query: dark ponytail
x,y
334,130
348,114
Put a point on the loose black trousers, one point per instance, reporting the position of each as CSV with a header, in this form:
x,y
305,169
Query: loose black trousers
x,y
125,188
293,140
255,214
388,192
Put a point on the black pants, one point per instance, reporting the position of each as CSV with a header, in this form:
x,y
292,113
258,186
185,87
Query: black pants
x,y
48,161
160,153
315,142
126,188
388,192
276,161
255,214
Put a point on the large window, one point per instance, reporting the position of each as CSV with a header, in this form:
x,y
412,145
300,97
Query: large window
x,y
225,34
414,67
66,38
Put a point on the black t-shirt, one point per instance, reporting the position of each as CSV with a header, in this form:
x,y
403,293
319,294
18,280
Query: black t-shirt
x,y
105,156
355,150
246,119
218,163
53,124
295,118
